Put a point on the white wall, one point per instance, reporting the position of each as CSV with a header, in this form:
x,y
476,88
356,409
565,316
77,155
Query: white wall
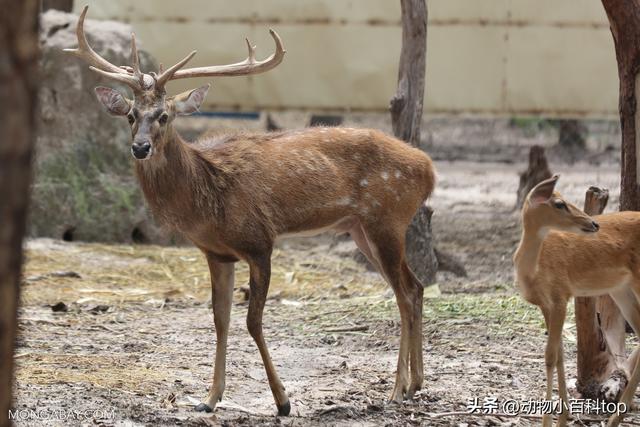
x,y
485,57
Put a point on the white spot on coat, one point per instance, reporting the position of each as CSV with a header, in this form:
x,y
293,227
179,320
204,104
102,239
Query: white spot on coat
x,y
384,175
398,174
364,183
344,201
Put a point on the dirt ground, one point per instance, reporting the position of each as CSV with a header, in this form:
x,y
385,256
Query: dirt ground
x,y
134,337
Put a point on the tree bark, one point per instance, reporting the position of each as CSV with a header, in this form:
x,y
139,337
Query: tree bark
x,y
406,104
18,91
600,330
406,117
624,20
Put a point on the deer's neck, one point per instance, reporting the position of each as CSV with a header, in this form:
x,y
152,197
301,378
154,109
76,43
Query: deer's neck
x,y
180,186
527,256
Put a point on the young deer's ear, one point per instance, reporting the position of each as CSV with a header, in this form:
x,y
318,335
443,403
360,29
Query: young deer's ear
x,y
115,103
189,102
544,190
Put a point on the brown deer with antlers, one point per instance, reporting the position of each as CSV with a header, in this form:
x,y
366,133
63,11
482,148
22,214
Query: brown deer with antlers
x,y
233,195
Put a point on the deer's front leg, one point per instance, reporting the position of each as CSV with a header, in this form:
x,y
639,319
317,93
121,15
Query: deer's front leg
x,y
554,317
260,274
222,278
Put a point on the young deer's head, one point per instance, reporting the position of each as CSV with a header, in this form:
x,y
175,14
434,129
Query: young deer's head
x,y
545,209
151,112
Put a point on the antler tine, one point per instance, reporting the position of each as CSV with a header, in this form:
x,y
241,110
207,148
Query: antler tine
x,y
135,59
246,67
127,79
252,52
96,62
170,72
84,51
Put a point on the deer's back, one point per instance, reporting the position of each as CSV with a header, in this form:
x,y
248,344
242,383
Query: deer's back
x,y
315,177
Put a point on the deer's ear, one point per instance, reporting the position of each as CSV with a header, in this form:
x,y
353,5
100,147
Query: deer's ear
x,y
115,103
544,190
189,102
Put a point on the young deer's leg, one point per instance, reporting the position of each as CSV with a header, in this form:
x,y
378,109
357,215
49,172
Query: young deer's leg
x,y
222,275
629,309
260,275
554,318
415,345
387,247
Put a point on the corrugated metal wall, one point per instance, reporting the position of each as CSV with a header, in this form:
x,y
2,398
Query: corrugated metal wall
x,y
488,57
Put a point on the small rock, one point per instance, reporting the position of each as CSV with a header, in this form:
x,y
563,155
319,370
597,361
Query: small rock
x,y
59,307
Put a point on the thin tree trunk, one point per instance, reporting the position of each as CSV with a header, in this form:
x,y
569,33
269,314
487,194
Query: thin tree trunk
x,y
18,90
406,104
624,20
406,117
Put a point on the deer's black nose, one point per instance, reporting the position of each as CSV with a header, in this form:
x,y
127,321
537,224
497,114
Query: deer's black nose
x,y
595,225
140,150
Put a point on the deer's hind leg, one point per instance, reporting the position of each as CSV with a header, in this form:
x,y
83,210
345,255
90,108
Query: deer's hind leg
x,y
385,247
630,309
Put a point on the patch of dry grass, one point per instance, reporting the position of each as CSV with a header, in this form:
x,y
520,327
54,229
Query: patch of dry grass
x,y
117,274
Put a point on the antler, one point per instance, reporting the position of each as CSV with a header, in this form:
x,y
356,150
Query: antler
x,y
246,67
136,80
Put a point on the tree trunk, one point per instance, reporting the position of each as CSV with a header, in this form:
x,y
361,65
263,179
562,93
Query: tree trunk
x,y
572,135
572,140
601,349
18,91
624,20
406,104
537,171
600,329
406,118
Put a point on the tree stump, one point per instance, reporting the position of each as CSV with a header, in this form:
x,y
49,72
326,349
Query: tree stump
x,y
18,88
600,329
537,171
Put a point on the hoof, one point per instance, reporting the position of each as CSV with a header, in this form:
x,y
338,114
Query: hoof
x,y
284,410
203,407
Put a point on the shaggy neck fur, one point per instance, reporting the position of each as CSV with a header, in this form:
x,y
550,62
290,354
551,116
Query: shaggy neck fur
x,y
179,184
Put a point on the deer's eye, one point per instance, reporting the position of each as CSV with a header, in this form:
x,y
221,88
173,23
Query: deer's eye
x,y
131,118
163,118
559,204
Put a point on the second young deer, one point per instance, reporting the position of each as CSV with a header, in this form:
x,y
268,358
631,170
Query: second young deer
x,y
233,195
565,253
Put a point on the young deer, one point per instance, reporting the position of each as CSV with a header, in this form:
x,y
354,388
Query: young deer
x,y
233,195
565,253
